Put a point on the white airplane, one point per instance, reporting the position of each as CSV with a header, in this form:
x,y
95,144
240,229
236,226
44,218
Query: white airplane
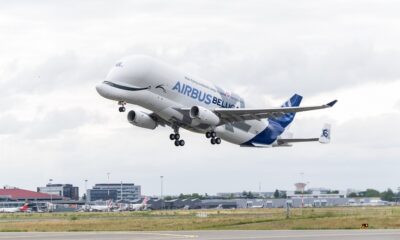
x,y
101,208
139,206
180,100
23,208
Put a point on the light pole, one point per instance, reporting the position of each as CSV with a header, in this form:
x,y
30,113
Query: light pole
x,y
108,185
398,196
121,192
162,200
86,191
302,192
51,194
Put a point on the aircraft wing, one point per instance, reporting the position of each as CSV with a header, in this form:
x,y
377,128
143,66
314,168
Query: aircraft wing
x,y
228,115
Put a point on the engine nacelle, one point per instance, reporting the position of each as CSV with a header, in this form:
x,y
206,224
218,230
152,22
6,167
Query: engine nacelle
x,y
141,119
204,115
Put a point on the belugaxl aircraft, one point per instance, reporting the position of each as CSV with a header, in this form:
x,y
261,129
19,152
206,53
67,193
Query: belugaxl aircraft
x,y
179,100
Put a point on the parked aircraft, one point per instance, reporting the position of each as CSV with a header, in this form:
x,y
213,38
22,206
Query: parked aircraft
x,y
101,208
180,100
23,208
140,206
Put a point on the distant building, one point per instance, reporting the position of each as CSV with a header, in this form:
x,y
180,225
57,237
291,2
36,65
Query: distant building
x,y
316,193
64,190
101,195
16,194
114,191
300,187
241,194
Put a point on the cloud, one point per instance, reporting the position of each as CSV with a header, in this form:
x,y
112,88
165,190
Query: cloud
x,y
9,125
52,118
397,105
49,124
64,71
290,68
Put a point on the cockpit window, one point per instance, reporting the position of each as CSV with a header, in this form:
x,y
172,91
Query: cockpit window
x,y
118,64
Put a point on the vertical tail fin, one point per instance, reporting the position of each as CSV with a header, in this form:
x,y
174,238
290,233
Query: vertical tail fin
x,y
144,203
287,118
325,134
24,208
109,204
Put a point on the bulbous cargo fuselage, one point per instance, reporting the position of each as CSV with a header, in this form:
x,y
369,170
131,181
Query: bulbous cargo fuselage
x,y
164,90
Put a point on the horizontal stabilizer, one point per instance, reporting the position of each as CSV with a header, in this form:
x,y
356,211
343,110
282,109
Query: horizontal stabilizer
x,y
296,140
324,138
325,134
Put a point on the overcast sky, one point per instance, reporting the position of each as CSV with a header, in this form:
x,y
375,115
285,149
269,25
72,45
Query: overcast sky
x,y
53,124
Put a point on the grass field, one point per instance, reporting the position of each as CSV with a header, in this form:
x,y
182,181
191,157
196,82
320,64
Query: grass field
x,y
243,219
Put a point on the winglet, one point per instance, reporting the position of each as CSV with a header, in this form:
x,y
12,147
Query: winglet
x,y
332,103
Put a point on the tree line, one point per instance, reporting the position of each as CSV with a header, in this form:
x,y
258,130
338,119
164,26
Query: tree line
x,y
387,195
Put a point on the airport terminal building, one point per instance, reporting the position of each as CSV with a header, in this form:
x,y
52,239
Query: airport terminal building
x,y
22,195
63,190
114,191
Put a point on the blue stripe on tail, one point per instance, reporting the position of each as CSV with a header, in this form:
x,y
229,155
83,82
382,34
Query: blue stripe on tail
x,y
276,126
287,118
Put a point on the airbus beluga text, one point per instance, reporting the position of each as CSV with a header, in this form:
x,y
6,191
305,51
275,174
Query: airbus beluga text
x,y
179,100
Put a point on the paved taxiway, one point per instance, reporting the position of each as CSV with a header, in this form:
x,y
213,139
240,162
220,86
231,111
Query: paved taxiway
x,y
216,235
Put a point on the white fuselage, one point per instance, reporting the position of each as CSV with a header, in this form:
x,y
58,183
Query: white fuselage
x,y
99,208
10,210
165,90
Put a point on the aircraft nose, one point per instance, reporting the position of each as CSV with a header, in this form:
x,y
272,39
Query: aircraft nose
x,y
100,88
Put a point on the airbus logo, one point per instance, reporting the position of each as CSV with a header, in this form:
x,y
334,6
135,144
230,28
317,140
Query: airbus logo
x,y
201,96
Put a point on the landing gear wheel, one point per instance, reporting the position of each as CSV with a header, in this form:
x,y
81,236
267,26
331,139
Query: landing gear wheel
x,y
177,136
122,106
218,140
212,141
182,143
177,143
208,135
172,136
213,134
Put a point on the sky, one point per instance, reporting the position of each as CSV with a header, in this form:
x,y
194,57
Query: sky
x,y
54,125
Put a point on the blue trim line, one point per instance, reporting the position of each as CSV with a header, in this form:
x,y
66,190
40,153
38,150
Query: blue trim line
x,y
125,87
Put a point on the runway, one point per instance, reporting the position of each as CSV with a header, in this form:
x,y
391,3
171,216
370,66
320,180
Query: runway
x,y
215,235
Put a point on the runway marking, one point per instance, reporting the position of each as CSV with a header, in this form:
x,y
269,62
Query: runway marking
x,y
123,235
306,236
26,236
167,235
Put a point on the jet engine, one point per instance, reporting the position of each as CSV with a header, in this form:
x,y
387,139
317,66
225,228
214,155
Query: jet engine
x,y
141,119
204,115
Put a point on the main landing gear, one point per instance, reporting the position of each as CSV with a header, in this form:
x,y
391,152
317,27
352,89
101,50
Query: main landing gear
x,y
122,104
214,138
176,138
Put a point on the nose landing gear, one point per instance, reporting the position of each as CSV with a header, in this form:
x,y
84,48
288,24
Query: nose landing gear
x,y
214,138
122,104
